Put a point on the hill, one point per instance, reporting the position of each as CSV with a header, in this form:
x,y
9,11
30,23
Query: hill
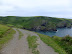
x,y
42,23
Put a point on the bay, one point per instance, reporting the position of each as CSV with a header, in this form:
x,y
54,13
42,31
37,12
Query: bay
x,y
61,32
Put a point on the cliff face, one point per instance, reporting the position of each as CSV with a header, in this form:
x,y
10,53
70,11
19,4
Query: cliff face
x,y
37,23
47,24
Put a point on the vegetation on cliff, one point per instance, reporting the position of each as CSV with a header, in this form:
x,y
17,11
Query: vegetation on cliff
x,y
37,23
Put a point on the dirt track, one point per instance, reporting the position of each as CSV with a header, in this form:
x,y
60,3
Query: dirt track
x,y
16,46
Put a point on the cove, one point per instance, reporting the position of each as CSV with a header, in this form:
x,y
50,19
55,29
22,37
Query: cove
x,y
61,32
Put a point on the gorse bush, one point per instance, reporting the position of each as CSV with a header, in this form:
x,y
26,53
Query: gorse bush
x,y
65,43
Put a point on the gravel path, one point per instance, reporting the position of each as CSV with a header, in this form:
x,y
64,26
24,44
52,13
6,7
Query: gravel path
x,y
11,45
42,47
16,46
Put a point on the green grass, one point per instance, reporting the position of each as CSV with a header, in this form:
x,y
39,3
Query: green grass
x,y
50,42
65,42
3,29
6,33
20,33
32,44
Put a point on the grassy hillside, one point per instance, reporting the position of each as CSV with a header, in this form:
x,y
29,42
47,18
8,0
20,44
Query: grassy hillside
x,y
62,45
37,23
6,33
64,42
51,42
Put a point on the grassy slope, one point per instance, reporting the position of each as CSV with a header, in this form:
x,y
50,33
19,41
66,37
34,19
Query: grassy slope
x,y
6,33
50,42
32,44
65,42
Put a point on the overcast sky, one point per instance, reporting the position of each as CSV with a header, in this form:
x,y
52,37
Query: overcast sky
x,y
53,8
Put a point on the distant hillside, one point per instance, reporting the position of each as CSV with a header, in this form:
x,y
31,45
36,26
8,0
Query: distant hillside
x,y
37,23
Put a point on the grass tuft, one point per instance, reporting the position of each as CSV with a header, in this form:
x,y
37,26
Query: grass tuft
x,y
20,33
32,44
